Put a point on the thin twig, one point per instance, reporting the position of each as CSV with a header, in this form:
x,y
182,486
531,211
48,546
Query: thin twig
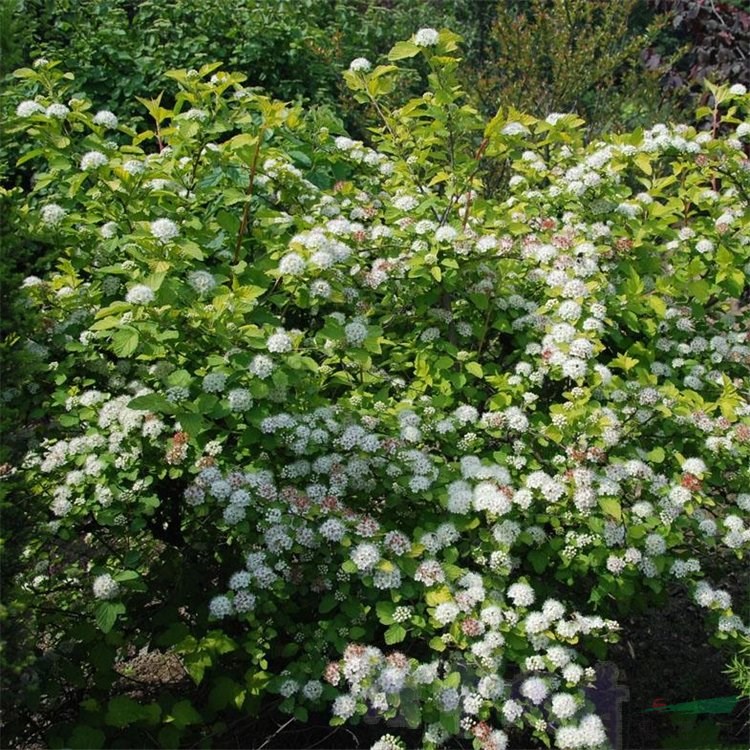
x,y
249,194
278,731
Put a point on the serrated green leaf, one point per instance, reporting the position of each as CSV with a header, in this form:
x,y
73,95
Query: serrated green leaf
x,y
125,341
395,634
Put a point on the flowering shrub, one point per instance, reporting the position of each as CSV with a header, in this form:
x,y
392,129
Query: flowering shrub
x,y
349,426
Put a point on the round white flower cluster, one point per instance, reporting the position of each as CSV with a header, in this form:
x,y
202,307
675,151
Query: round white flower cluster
x,y
261,366
214,382
426,38
58,111
360,65
140,294
105,587
202,281
220,606
164,230
93,160
239,399
106,119
52,214
279,342
28,108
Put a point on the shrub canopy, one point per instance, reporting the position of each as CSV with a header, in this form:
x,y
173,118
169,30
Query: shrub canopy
x,y
402,428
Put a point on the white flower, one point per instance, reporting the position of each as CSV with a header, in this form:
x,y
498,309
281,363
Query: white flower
x,y
446,234
214,382
239,399
738,90
405,203
30,107
365,556
220,606
196,114
535,689
244,601
140,294
133,166
426,38
355,332
343,143
106,118
108,230
320,288
522,594
312,690
694,466
360,65
292,265
53,214
92,160
289,688
446,612
164,229
514,128
60,111
279,342
261,366
201,281
344,706
105,587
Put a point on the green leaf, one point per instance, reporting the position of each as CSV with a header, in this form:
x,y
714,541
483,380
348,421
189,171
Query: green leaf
x,y
86,738
327,603
395,634
611,506
623,362
657,455
437,644
644,162
658,305
126,575
438,596
183,714
125,341
107,614
122,711
539,560
151,402
385,612
169,737
402,50
450,722
475,369
191,250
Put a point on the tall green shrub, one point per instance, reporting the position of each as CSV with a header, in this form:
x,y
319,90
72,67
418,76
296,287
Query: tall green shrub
x,y
350,429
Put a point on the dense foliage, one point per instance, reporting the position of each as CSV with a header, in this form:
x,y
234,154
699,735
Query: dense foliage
x,y
367,428
580,56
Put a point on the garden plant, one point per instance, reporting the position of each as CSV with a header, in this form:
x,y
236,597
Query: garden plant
x,y
400,429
